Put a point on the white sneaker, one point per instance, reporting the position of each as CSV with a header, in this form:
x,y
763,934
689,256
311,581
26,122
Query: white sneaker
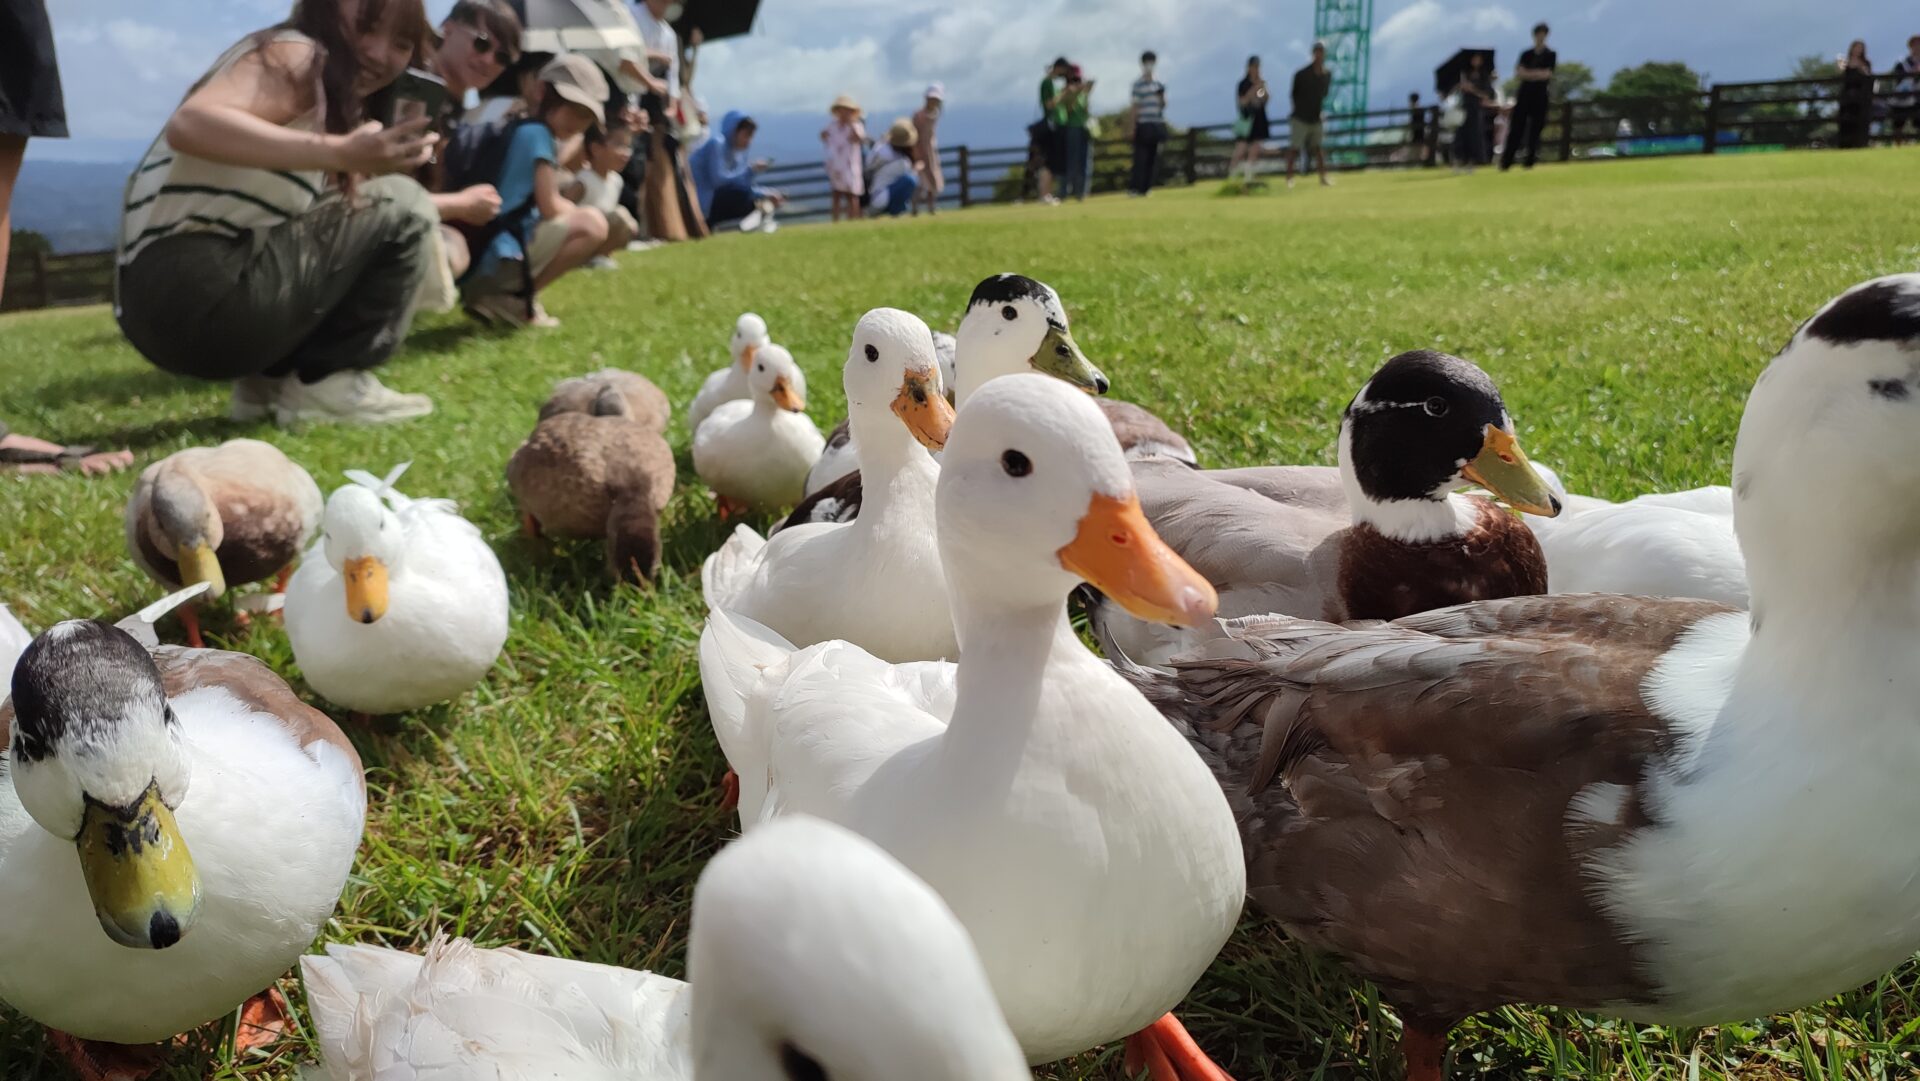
x,y
499,309
751,223
602,262
253,397
1326,182
351,397
1289,183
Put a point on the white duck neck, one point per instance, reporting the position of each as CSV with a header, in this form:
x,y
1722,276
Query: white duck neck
x,y
1004,656
894,467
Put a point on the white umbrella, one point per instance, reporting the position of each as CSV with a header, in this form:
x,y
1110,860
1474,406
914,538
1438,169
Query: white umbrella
x,y
578,26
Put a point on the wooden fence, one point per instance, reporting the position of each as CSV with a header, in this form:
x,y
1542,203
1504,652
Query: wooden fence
x,y
1725,118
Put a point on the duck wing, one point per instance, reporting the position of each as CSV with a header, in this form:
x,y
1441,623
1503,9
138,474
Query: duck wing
x,y
1422,796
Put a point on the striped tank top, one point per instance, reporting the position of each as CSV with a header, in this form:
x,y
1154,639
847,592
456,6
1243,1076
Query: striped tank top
x,y
173,193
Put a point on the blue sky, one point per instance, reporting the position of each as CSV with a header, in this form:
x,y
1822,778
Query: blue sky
x,y
125,63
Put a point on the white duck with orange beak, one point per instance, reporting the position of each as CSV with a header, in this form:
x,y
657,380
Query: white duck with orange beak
x,y
755,453
1090,854
400,605
729,384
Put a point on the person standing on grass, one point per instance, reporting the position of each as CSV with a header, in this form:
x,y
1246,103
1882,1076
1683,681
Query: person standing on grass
x,y
556,235
1906,102
926,150
1529,116
1305,126
1476,93
1147,116
1073,114
1053,87
845,140
270,235
1251,130
1416,129
1856,97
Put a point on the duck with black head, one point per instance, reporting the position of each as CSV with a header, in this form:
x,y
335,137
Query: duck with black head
x,y
1404,539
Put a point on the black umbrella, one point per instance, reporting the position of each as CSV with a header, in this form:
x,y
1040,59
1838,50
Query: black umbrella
x,y
716,18
1447,75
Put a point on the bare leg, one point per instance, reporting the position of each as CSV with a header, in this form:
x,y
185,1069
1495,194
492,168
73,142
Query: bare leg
x,y
1292,155
458,258
1322,155
586,231
12,149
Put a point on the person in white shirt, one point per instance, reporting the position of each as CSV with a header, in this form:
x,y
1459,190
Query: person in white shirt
x,y
599,186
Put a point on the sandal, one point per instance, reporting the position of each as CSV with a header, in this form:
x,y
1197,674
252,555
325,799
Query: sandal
x,y
66,459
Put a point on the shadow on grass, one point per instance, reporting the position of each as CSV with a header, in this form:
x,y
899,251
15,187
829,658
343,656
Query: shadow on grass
x,y
118,386
199,430
448,338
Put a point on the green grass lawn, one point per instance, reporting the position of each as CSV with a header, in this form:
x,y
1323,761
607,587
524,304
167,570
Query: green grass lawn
x,y
568,803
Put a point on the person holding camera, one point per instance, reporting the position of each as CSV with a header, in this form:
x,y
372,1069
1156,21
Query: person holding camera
x,y
1251,131
1050,132
271,235
1073,113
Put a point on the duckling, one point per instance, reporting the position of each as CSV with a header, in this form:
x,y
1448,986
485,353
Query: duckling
x,y
731,383
1402,541
399,605
175,827
227,515
755,454
611,392
599,474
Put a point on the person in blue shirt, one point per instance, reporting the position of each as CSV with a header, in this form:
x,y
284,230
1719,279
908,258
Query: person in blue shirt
x,y
723,174
556,235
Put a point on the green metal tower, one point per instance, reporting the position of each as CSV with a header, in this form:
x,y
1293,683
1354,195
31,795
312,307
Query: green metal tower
x,y
1345,27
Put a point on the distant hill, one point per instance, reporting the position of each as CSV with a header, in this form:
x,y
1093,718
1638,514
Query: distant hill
x,y
76,205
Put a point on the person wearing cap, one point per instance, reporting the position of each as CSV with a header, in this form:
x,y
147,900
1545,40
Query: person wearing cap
x,y
845,138
896,171
556,235
723,175
1147,116
926,149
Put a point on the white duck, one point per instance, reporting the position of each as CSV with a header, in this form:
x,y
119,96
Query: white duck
x,y
814,955
175,827
401,603
13,642
730,383
1043,798
1012,324
755,453
874,581
1664,544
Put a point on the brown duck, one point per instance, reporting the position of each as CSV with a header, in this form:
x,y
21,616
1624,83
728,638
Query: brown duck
x,y
597,466
227,515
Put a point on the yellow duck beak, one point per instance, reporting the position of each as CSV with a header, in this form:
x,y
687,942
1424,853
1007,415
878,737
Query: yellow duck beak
x,y
198,564
1501,468
1118,553
366,579
139,873
925,412
1060,356
746,357
786,397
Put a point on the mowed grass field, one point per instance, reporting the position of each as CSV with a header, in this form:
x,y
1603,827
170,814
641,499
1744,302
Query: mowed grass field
x,y
568,803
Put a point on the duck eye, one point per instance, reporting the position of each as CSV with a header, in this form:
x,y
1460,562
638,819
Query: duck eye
x,y
759,367
1436,407
1016,464
872,354
1009,313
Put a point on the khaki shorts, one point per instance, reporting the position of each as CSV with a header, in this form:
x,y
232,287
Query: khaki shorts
x,y
1303,136
545,243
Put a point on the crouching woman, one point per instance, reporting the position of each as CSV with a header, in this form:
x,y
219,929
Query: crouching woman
x,y
269,236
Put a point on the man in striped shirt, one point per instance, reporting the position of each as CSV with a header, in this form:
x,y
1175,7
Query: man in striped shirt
x,y
1148,118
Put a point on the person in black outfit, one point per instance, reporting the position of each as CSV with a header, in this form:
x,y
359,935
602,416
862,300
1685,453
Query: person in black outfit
x,y
1535,72
1476,93
1416,128
1856,97
1252,131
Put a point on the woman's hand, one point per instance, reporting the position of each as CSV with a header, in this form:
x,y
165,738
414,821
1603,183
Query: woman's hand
x,y
373,149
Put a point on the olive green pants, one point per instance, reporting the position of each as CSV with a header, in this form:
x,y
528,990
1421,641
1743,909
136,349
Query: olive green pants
x,y
328,291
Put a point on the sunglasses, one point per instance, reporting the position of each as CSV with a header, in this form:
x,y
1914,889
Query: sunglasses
x,y
484,45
